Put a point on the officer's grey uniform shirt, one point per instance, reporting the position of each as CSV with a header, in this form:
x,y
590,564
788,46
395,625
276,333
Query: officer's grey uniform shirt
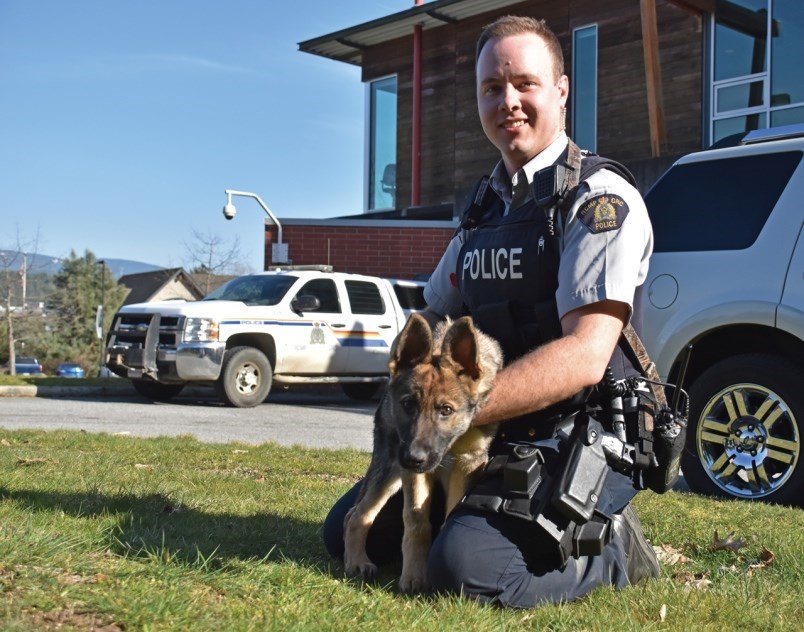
x,y
594,266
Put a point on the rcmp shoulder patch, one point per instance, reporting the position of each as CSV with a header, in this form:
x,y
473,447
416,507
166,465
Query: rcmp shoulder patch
x,y
603,213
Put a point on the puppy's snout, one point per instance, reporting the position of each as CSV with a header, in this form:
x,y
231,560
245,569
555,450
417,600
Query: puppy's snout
x,y
413,459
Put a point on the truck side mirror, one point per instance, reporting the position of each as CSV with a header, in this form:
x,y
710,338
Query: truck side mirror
x,y
305,303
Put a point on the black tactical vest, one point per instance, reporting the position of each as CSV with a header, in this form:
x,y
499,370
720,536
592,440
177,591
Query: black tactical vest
x,y
508,275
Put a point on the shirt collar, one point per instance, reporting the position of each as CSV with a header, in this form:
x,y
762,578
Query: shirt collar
x,y
516,191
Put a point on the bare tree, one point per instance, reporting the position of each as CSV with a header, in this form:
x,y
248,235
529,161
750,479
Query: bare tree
x,y
209,255
14,270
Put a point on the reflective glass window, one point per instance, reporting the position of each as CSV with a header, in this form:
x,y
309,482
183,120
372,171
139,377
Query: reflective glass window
x,y
787,52
740,96
788,116
738,125
382,144
740,37
584,87
757,65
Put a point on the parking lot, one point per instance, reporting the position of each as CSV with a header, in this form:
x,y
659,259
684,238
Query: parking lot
x,y
317,418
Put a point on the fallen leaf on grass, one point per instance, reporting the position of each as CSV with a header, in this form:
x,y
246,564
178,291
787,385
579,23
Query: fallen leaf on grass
x,y
670,555
35,461
698,581
765,559
5,442
729,543
69,579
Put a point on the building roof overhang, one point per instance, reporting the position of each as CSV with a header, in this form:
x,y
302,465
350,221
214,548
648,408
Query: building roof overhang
x,y
347,45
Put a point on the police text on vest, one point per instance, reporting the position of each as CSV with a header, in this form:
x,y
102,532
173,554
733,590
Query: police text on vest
x,y
493,263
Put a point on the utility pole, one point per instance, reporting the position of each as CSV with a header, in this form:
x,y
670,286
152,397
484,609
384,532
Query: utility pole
x,y
100,317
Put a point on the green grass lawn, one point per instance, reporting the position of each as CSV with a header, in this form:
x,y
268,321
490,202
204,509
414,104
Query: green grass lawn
x,y
119,533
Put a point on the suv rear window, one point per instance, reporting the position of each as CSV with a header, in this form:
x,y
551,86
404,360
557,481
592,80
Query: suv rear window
x,y
717,204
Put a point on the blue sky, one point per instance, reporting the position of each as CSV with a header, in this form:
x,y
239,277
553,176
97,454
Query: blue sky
x,y
121,123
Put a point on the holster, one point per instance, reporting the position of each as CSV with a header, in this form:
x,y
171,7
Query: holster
x,y
554,484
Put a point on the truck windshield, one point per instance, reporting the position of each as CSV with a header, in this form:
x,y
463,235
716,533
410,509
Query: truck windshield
x,y
256,289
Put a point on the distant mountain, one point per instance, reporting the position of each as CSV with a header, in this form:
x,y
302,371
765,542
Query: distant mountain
x,y
46,264
120,267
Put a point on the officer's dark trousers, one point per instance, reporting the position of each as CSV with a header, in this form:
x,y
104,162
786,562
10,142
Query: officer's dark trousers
x,y
492,557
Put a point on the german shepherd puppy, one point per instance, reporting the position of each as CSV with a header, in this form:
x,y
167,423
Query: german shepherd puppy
x,y
438,381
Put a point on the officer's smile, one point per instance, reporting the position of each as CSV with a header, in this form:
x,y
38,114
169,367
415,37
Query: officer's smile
x,y
513,124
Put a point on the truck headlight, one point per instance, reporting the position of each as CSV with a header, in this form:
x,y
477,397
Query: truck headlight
x,y
200,330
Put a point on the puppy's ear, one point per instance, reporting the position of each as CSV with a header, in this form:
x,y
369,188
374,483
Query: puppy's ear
x,y
413,346
460,347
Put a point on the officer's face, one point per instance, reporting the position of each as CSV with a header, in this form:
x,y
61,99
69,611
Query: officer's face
x,y
519,97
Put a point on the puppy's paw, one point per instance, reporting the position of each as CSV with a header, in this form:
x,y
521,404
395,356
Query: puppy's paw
x,y
365,569
412,583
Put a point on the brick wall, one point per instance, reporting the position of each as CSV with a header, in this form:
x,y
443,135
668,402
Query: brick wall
x,y
379,248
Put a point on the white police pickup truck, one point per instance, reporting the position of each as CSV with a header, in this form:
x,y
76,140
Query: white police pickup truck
x,y
285,326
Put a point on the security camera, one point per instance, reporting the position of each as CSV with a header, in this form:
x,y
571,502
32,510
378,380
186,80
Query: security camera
x,y
229,211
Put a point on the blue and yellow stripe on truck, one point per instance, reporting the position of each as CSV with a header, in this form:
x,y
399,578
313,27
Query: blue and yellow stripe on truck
x,y
360,339
344,338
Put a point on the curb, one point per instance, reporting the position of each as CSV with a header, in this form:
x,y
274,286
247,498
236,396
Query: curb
x,y
118,390
32,390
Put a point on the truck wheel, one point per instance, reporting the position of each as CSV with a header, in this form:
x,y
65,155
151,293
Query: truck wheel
x,y
155,391
245,378
745,430
361,391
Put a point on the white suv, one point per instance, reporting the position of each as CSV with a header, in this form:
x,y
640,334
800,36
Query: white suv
x,y
727,277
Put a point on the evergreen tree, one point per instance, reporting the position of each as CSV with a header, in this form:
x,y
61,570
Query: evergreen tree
x,y
72,308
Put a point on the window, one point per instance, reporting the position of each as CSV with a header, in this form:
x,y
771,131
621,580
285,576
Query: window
x,y
364,297
326,292
717,204
584,87
756,67
381,189
255,289
410,295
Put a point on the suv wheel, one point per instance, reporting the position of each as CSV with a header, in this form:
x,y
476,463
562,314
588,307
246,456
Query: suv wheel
x,y
245,379
155,391
745,434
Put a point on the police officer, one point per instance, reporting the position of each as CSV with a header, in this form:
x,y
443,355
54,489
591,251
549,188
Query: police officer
x,y
555,280
499,266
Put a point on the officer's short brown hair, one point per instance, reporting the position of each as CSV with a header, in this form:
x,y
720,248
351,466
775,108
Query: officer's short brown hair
x,y
509,25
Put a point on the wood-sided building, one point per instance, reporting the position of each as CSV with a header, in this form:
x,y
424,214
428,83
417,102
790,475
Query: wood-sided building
x,y
650,80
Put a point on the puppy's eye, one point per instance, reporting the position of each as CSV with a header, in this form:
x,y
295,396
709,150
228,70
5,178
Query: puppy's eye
x,y
446,410
408,404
